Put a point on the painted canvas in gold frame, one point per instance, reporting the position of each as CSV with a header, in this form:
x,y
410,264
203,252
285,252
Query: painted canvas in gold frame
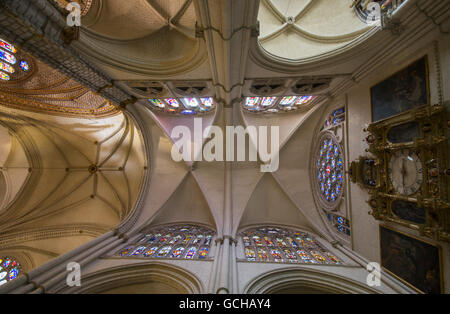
x,y
414,261
404,90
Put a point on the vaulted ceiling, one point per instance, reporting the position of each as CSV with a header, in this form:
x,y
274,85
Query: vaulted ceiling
x,y
163,43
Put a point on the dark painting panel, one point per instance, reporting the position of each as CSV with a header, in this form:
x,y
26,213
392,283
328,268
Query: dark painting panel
x,y
404,133
414,261
403,91
409,211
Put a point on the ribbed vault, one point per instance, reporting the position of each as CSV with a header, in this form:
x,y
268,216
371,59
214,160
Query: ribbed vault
x,y
80,178
298,29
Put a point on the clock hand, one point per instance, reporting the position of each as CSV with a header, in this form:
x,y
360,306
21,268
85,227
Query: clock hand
x,y
403,171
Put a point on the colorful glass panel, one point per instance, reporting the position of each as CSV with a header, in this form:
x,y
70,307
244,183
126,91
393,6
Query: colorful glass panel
x,y
268,101
126,251
5,56
257,240
7,46
319,258
151,251
9,270
252,102
198,239
157,103
190,103
263,255
177,252
281,245
164,251
203,253
268,241
188,112
207,102
191,252
208,240
25,66
138,251
303,100
288,100
6,67
172,102
276,256
330,171
250,254
4,76
178,242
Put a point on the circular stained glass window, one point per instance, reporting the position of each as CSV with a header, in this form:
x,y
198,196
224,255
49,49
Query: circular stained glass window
x,y
24,65
329,171
9,269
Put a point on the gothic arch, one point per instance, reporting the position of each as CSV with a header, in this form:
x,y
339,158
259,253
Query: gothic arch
x,y
125,276
305,280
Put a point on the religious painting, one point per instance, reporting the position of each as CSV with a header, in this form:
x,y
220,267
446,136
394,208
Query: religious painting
x,y
409,211
414,261
403,91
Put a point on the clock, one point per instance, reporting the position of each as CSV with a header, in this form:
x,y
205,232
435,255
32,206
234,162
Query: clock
x,y
405,172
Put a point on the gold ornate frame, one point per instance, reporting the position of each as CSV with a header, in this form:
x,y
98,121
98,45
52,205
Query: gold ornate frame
x,y
441,266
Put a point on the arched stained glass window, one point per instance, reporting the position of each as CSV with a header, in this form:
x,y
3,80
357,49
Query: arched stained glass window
x,y
329,173
7,46
10,269
276,104
183,106
10,69
282,245
176,242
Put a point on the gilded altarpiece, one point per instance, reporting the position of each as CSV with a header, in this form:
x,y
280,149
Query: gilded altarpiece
x,y
408,175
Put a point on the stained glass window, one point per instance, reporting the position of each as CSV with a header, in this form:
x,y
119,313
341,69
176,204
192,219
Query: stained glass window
x,y
282,245
7,46
5,56
276,104
172,102
157,103
24,65
6,67
4,76
10,269
335,118
341,224
207,102
9,69
287,101
178,241
268,101
183,106
329,170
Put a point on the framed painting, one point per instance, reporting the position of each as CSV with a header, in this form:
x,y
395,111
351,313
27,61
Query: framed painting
x,y
412,260
403,91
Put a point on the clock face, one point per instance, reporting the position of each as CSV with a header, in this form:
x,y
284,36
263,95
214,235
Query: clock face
x,y
405,172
